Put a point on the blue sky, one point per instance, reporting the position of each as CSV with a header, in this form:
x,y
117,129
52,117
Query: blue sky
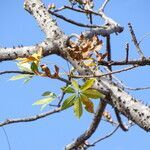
x,y
54,132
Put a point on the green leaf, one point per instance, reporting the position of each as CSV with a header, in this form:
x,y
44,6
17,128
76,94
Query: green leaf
x,y
48,93
68,102
89,106
75,84
78,108
27,79
44,101
68,89
20,76
34,67
92,93
88,84
24,67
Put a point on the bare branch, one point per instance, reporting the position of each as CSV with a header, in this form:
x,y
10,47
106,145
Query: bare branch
x,y
148,34
29,119
135,41
13,71
105,74
88,133
49,47
103,138
120,120
74,22
103,5
139,62
45,21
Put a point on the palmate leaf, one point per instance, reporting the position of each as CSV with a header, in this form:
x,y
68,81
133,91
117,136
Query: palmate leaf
x,y
88,84
68,102
92,93
89,106
78,110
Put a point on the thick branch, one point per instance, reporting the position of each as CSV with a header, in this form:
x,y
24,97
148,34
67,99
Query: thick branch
x,y
45,21
49,47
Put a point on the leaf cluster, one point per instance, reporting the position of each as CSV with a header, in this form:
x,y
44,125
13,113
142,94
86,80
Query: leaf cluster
x,y
81,96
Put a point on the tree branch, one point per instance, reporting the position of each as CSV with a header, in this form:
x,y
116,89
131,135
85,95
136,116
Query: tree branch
x,y
29,119
103,138
105,74
135,41
139,62
88,133
45,21
74,22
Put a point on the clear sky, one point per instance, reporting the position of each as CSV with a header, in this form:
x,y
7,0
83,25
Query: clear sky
x,y
54,132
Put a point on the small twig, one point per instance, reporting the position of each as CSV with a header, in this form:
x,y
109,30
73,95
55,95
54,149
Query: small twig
x,y
30,73
61,99
7,138
139,62
134,39
105,74
19,72
127,52
120,120
77,10
103,138
29,119
148,34
74,22
103,5
137,89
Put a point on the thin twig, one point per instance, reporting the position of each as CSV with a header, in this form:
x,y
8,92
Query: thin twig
x,y
137,89
29,119
74,22
7,138
134,39
103,5
30,73
103,138
123,86
120,120
78,10
139,62
105,74
18,72
148,34
61,99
